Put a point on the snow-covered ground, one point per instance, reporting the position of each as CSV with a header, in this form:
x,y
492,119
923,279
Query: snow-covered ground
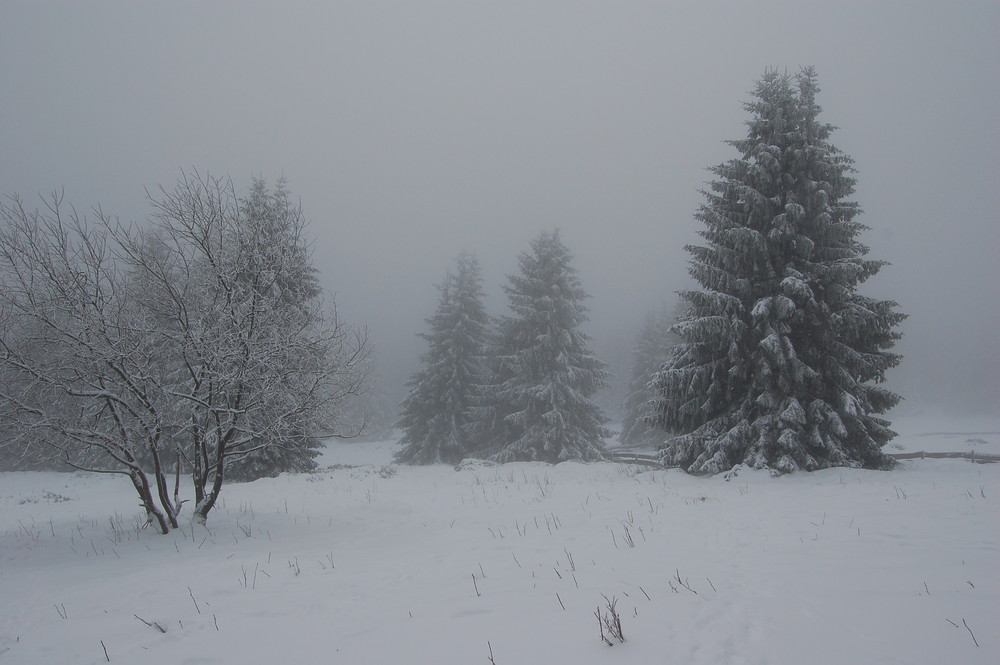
x,y
366,563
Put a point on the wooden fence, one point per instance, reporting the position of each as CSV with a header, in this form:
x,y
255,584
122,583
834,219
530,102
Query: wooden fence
x,y
623,457
978,458
636,458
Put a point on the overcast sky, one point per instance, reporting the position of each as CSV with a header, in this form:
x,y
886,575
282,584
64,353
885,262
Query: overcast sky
x,y
412,130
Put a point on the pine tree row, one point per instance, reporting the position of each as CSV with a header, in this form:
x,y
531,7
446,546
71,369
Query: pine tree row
x,y
517,388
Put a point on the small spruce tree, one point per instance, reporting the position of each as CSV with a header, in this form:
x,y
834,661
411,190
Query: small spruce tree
x,y
781,356
438,415
369,416
545,375
652,348
280,221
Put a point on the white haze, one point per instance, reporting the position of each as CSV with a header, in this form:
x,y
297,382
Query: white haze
x,y
413,130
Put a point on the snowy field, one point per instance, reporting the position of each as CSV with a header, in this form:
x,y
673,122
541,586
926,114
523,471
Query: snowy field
x,y
366,563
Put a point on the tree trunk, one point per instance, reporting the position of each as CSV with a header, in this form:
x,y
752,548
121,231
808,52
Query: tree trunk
x,y
141,484
207,502
162,488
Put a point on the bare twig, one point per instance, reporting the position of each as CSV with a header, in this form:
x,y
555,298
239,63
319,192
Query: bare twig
x,y
191,593
600,626
683,583
492,662
106,656
151,625
560,602
970,632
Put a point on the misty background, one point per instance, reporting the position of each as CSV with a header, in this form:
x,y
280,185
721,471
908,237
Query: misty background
x,y
413,130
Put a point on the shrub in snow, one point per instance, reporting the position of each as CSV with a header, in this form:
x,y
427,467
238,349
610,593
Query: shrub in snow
x,y
780,355
473,464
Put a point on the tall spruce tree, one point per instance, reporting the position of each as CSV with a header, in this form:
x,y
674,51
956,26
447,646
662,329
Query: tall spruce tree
x,y
438,415
781,357
545,375
652,348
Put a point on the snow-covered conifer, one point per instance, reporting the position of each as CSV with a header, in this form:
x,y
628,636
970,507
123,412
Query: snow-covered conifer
x,y
295,285
438,415
545,374
781,356
369,415
652,348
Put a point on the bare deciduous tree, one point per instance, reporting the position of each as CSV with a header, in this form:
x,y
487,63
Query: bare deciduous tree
x,y
78,364
199,340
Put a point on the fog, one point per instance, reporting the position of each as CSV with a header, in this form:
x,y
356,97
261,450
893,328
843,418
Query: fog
x,y
413,130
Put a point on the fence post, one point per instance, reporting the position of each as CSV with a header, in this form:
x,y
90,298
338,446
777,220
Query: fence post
x,y
973,455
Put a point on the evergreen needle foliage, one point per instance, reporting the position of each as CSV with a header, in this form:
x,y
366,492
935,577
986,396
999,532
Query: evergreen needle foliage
x,y
544,373
652,348
281,223
438,415
781,356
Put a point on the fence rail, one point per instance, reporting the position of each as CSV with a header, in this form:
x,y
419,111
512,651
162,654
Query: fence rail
x,y
636,458
978,458
654,461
